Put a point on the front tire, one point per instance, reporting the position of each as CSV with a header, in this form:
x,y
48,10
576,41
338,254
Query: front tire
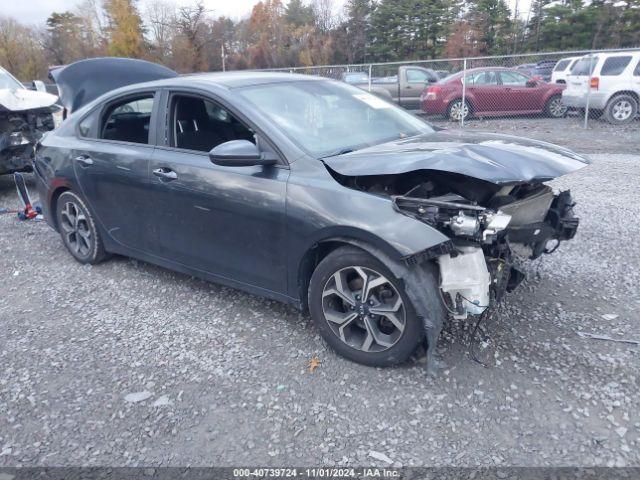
x,y
361,309
78,229
621,109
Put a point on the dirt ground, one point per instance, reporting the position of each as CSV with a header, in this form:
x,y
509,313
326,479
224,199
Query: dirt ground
x,y
128,364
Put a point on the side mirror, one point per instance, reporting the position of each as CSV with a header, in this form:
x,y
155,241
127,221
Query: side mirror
x,y
39,86
532,83
432,80
239,153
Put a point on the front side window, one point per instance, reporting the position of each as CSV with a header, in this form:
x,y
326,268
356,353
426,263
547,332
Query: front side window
x,y
513,78
615,65
561,65
483,78
326,118
128,120
417,76
636,72
200,124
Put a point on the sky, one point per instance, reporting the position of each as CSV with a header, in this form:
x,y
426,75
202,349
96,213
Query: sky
x,y
36,12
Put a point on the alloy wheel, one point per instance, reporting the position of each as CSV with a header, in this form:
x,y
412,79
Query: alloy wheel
x,y
75,228
622,110
363,309
557,108
459,110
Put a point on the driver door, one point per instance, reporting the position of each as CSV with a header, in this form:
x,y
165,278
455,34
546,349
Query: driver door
x,y
523,98
225,221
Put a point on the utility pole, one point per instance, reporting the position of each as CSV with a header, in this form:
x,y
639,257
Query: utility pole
x,y
222,53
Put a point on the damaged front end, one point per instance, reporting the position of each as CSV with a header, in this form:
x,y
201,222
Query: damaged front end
x,y
485,192
25,116
19,133
488,239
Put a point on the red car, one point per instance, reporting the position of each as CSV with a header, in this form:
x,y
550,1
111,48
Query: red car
x,y
493,92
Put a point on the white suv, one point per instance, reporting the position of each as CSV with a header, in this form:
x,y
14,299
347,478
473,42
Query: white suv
x,y
562,69
612,83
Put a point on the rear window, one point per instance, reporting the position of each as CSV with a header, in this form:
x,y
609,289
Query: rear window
x,y
561,65
615,65
582,66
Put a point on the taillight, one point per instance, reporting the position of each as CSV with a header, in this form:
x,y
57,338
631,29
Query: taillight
x,y
595,83
432,92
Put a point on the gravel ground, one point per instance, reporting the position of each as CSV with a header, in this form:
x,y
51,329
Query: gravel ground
x,y
128,364
569,132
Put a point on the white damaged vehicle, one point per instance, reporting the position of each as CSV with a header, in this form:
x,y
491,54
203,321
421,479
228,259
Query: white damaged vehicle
x,y
25,115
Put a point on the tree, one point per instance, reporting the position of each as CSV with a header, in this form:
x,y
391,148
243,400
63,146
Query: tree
x,y
192,36
298,14
357,26
491,19
408,29
63,38
161,19
20,50
125,29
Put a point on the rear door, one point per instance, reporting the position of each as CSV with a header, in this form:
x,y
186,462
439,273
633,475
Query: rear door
x,y
111,161
484,92
226,221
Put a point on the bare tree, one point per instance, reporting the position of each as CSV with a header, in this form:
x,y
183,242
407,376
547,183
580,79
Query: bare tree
x,y
160,16
324,15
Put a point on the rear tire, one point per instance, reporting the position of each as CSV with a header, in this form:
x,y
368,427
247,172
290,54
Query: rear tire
x,y
78,229
621,109
375,326
456,110
554,107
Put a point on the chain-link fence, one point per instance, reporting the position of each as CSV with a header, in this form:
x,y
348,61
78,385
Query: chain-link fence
x,y
587,87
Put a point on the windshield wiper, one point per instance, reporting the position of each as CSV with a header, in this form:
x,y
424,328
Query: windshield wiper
x,y
339,152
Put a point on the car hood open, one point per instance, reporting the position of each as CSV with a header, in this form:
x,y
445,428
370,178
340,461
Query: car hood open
x,y
21,99
495,158
81,82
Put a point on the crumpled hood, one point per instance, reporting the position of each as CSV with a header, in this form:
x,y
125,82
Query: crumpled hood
x,y
495,158
23,99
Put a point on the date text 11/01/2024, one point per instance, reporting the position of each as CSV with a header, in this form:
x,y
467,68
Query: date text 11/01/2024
x,y
308,472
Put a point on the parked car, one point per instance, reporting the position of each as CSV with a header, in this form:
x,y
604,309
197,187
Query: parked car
x,y
404,88
562,69
493,92
355,77
609,82
25,115
544,69
302,189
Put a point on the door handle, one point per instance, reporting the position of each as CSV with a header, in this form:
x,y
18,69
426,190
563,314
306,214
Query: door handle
x,y
83,159
165,173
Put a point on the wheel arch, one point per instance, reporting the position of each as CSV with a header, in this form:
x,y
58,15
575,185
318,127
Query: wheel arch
x,y
631,93
53,202
323,247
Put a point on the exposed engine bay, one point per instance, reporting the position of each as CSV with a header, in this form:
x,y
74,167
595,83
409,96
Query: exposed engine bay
x,y
490,227
19,132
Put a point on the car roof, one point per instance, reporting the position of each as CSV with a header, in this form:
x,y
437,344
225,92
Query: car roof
x,y
234,79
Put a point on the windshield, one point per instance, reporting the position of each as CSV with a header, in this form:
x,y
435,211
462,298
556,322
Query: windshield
x,y
7,81
328,118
